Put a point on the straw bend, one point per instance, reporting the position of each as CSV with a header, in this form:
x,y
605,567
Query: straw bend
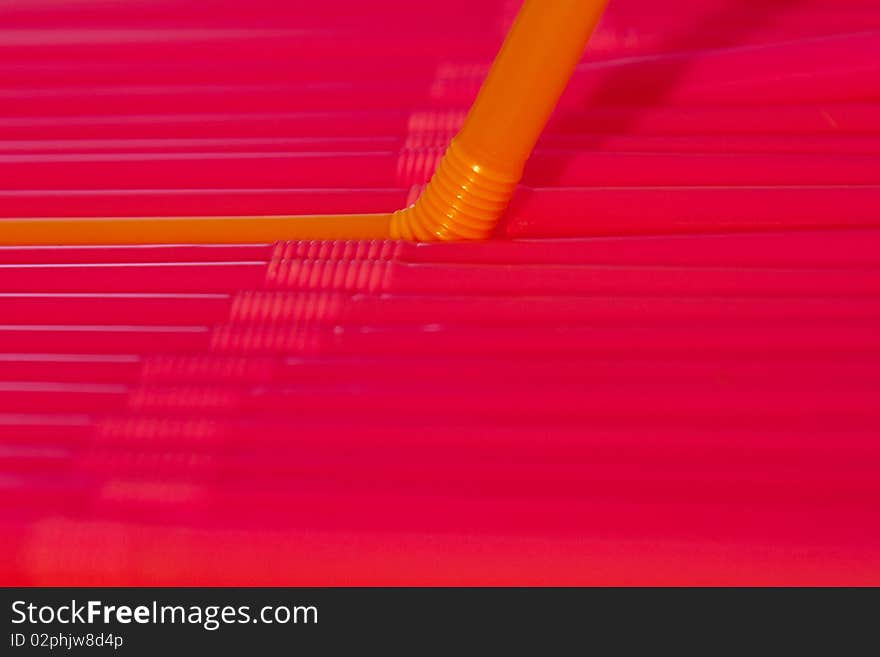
x,y
479,172
465,198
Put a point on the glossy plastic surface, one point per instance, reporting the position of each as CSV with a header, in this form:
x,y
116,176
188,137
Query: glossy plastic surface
x,y
669,376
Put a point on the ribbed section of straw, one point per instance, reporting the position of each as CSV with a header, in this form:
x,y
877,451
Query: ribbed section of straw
x,y
415,166
208,368
158,430
463,201
337,250
284,306
252,338
163,398
349,275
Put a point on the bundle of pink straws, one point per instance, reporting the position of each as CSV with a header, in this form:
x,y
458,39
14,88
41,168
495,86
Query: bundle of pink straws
x,y
663,370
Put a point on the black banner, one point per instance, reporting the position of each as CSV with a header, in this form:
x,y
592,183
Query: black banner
x,y
134,621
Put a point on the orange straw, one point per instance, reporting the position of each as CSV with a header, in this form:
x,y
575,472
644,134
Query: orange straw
x,y
191,230
476,178
467,195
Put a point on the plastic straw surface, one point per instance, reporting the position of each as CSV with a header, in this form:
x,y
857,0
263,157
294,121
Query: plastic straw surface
x,y
662,369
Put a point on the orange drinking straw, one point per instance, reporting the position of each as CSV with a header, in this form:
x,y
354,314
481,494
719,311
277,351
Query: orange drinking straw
x,y
482,166
466,196
191,230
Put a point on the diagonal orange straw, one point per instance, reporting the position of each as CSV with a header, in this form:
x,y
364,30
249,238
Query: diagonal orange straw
x,y
482,166
466,196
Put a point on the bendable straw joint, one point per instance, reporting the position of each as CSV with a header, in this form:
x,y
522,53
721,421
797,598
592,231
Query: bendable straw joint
x,y
462,202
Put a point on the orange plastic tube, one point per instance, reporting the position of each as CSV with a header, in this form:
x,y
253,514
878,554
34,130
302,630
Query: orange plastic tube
x,y
479,172
190,230
467,195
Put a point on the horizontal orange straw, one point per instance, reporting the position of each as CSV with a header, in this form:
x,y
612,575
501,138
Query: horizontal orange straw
x,y
191,230
466,196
